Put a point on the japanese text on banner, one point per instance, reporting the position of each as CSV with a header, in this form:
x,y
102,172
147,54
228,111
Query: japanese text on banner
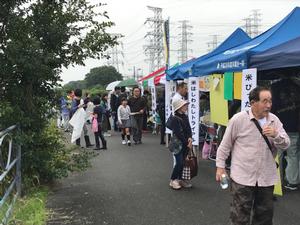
x,y
249,82
193,86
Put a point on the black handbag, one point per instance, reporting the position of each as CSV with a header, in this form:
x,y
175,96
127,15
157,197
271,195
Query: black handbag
x,y
175,145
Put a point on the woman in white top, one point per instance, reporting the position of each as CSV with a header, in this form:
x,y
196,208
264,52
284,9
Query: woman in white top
x,y
124,121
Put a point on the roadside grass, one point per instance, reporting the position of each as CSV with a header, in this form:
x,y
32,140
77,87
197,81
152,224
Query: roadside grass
x,y
31,209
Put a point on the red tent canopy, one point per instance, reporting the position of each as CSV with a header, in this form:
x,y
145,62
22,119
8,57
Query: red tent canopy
x,y
157,78
155,73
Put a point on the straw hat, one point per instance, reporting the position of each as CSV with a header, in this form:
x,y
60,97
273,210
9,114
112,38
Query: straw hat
x,y
178,103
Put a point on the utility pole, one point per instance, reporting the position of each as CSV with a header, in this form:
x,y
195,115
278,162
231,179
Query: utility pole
x,y
116,54
185,38
214,43
154,38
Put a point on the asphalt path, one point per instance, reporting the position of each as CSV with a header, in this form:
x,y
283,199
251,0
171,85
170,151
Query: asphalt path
x,y
130,186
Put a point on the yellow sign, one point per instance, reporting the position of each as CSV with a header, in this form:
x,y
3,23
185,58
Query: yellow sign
x,y
218,105
237,86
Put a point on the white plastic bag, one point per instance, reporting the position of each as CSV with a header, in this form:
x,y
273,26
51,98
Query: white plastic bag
x,y
77,121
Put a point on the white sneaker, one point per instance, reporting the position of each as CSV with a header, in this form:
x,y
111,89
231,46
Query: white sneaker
x,y
185,184
128,142
176,185
123,142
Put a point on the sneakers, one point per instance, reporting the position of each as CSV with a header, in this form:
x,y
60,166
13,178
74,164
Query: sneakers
x,y
123,142
292,187
128,142
185,184
175,184
106,134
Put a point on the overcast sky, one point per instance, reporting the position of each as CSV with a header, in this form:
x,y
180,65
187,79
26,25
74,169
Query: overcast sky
x,y
208,17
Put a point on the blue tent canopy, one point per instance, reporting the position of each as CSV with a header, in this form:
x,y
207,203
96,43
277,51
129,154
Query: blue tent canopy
x,y
182,71
281,56
237,58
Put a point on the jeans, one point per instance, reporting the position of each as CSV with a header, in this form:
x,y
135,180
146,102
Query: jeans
x,y
293,160
115,118
137,125
66,119
162,127
178,168
251,205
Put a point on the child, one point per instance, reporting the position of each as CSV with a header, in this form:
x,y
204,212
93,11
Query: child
x,y
124,121
98,114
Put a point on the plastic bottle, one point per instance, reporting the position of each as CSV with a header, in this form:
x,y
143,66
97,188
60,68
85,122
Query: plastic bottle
x,y
224,183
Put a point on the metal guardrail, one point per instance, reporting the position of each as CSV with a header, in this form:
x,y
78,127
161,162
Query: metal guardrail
x,y
13,191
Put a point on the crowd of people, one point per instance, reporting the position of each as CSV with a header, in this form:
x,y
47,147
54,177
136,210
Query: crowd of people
x,y
128,114
251,140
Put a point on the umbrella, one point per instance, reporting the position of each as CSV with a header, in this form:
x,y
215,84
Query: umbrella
x,y
111,86
128,83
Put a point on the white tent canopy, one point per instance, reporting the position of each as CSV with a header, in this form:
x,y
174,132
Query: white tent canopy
x,y
111,86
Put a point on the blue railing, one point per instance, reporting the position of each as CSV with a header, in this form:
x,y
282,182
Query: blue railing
x,y
9,159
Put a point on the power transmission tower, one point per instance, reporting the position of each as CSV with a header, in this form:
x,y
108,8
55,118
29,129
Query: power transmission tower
x,y
154,38
253,23
256,22
248,27
185,38
116,54
214,43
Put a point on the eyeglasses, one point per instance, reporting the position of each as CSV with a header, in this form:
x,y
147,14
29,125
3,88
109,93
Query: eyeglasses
x,y
266,101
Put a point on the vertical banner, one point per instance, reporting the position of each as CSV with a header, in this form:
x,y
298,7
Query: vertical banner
x,y
228,86
193,86
249,82
237,86
153,95
170,89
166,30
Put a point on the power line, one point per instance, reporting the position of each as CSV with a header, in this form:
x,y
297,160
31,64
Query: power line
x,y
134,42
134,32
213,43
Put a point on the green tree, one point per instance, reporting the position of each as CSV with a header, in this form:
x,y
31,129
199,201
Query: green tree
x,y
102,75
37,39
72,85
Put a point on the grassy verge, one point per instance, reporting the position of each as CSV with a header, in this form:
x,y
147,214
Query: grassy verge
x,y
31,209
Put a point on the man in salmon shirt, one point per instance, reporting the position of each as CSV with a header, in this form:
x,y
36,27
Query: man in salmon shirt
x,y
253,168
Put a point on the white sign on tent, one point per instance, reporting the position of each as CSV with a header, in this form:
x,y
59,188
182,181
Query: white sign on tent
x,y
193,86
249,82
153,95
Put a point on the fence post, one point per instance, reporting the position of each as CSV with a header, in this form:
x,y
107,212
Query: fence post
x,y
18,173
